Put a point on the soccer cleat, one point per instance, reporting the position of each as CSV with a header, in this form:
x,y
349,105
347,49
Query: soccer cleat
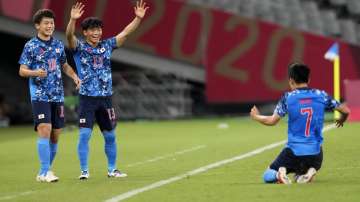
x,y
116,173
282,177
49,177
306,178
84,175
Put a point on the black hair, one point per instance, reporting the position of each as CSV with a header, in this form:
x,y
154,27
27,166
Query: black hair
x,y
43,13
299,72
91,22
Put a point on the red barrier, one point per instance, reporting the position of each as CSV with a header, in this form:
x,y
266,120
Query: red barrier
x,y
249,61
352,96
245,59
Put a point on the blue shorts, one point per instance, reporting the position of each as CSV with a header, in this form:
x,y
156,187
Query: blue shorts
x,y
297,164
48,112
97,109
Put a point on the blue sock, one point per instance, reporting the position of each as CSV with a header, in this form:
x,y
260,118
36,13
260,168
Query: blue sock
x,y
53,150
83,147
270,176
110,148
44,155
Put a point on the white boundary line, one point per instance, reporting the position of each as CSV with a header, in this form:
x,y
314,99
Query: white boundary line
x,y
167,156
16,195
160,183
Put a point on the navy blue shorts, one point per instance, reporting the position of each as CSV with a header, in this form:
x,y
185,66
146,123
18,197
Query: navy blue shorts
x,y
48,112
97,109
297,164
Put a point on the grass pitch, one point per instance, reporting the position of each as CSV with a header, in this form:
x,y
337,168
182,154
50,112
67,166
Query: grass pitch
x,y
152,151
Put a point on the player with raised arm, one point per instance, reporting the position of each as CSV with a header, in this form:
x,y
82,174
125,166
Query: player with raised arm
x,y
92,58
41,61
305,107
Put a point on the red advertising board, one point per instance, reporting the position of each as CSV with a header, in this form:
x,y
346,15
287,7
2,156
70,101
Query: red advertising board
x,y
245,60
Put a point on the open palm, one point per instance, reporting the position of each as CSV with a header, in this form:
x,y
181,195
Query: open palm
x,y
140,9
77,10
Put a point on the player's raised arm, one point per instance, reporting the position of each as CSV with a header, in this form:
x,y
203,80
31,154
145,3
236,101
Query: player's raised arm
x,y
344,111
140,11
266,120
76,12
68,70
24,71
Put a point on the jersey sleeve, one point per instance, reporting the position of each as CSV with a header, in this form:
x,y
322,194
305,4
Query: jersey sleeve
x,y
62,56
111,42
330,103
25,58
281,108
79,44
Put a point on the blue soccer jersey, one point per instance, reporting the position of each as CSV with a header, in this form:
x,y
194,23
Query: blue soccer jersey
x,y
50,56
94,68
305,108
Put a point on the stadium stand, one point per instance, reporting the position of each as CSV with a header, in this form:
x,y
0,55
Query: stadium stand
x,y
333,18
144,94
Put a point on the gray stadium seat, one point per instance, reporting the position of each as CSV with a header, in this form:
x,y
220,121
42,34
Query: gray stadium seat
x,y
348,30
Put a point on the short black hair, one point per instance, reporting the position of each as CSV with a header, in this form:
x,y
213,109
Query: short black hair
x,y
91,22
43,13
299,72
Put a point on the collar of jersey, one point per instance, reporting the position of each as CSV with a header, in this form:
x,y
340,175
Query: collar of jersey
x,y
45,42
303,88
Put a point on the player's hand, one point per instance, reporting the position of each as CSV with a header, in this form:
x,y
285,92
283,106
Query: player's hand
x,y
77,10
140,9
41,73
254,112
340,122
77,82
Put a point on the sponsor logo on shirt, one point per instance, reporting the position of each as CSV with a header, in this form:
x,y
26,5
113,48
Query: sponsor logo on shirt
x,y
82,120
41,116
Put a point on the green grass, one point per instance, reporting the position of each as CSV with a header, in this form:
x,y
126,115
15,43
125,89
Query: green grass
x,y
338,180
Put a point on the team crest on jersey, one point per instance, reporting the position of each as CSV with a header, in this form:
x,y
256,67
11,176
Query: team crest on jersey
x,y
82,120
41,116
102,50
57,50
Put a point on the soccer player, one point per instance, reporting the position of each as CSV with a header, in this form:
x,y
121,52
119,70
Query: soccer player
x,y
305,107
41,61
92,58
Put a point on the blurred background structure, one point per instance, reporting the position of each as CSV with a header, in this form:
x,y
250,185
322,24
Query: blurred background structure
x,y
193,58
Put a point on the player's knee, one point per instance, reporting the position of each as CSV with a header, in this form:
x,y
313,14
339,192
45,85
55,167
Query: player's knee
x,y
44,130
270,176
54,138
109,136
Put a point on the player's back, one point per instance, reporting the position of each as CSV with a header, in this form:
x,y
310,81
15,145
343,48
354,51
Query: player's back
x,y
306,108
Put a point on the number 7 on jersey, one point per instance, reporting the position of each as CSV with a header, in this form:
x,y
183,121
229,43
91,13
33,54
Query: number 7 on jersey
x,y
309,112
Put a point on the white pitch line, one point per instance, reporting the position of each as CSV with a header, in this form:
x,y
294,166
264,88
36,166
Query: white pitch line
x,y
167,156
160,183
16,195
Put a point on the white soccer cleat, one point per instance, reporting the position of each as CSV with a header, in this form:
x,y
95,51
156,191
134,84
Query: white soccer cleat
x,y
306,178
116,174
84,175
49,177
282,177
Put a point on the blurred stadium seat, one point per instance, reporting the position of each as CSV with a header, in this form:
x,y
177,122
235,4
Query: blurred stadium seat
x,y
334,18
